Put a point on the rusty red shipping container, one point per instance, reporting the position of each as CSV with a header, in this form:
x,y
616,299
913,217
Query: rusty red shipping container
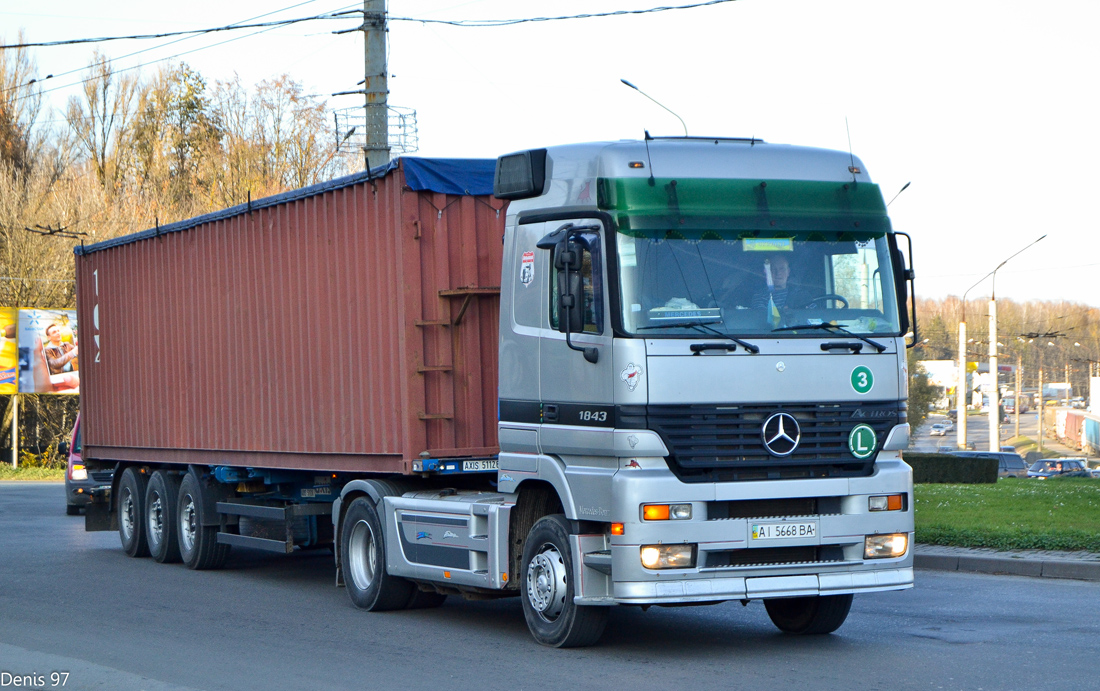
x,y
349,326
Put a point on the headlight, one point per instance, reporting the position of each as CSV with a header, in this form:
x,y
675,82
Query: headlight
x,y
885,546
79,472
668,556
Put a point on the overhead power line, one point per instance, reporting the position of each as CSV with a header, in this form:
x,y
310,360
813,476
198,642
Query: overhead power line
x,y
143,50
228,27
510,22
475,23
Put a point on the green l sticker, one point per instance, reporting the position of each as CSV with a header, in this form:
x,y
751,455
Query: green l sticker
x,y
862,441
862,379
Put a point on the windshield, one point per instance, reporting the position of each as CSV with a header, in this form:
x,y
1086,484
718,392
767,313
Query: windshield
x,y
750,283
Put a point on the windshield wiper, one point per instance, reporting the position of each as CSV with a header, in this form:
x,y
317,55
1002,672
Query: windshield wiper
x,y
705,329
825,326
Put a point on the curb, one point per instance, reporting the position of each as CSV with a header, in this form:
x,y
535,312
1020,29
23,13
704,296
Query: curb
x,y
1084,570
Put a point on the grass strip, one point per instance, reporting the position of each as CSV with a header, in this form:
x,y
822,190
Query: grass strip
x,y
9,474
1061,514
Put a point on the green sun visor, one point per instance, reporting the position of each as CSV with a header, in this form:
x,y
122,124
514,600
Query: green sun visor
x,y
773,206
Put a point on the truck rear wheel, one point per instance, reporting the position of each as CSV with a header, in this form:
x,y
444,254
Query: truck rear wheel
x,y
161,498
363,561
546,588
131,513
198,544
809,615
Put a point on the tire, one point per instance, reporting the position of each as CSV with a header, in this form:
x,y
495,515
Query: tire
x,y
198,544
546,589
161,514
72,510
809,615
363,562
131,512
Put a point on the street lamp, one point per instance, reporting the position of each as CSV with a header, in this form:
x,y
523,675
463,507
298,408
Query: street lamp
x,y
994,404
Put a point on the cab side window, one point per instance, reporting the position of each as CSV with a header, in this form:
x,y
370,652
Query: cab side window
x,y
591,280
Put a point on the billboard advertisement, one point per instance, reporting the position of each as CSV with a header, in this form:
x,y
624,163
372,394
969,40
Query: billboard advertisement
x,y
48,351
9,351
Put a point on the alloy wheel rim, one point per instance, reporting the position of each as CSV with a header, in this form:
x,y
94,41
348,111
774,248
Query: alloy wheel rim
x,y
156,519
546,583
127,513
362,560
187,523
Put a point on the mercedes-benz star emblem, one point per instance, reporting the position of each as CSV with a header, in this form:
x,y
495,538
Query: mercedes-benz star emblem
x,y
780,434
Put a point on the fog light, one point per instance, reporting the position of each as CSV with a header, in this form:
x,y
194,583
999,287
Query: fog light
x,y
680,512
668,556
885,546
891,502
665,512
79,472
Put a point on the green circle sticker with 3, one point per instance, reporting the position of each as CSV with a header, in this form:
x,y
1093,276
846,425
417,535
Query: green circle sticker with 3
x,y
862,441
862,379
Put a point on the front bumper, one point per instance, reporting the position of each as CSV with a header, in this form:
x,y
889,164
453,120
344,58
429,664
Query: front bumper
x,y
749,588
731,565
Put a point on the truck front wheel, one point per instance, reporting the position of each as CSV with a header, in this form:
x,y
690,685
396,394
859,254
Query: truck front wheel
x,y
363,561
131,513
547,591
809,615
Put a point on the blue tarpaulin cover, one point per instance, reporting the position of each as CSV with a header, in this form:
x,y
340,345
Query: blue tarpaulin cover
x,y
450,175
464,176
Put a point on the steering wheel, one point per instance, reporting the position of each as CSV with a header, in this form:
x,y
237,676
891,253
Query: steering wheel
x,y
831,296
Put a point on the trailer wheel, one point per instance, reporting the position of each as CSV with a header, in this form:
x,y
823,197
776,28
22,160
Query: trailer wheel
x,y
363,561
198,544
161,514
131,513
546,588
809,615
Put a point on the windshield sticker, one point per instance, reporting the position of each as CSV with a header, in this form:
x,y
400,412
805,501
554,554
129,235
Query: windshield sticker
x,y
862,380
527,269
632,374
768,245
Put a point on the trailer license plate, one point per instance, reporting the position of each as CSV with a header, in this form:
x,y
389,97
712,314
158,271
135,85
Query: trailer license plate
x,y
474,466
783,531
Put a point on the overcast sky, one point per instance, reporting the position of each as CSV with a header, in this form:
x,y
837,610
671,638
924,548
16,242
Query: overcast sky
x,y
988,108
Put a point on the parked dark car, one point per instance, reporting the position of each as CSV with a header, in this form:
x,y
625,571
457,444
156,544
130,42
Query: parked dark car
x,y
1008,464
79,483
1059,467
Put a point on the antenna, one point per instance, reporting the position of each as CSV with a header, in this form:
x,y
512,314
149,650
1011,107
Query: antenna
x,y
649,159
903,188
658,103
852,168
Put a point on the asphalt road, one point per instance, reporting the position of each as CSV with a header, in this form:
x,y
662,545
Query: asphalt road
x,y
977,431
72,602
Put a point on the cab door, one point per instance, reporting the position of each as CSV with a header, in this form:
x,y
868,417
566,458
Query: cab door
x,y
576,394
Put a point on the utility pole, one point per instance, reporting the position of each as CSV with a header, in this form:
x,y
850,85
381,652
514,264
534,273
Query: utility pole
x,y
960,388
994,391
1019,394
15,430
1041,397
376,85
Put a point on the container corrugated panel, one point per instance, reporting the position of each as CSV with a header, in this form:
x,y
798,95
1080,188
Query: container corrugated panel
x,y
353,328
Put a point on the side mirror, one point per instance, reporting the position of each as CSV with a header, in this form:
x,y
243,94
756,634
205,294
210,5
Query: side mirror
x,y
63,449
567,260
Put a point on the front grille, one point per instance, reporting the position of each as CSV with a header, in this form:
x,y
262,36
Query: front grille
x,y
102,476
772,508
769,556
718,443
